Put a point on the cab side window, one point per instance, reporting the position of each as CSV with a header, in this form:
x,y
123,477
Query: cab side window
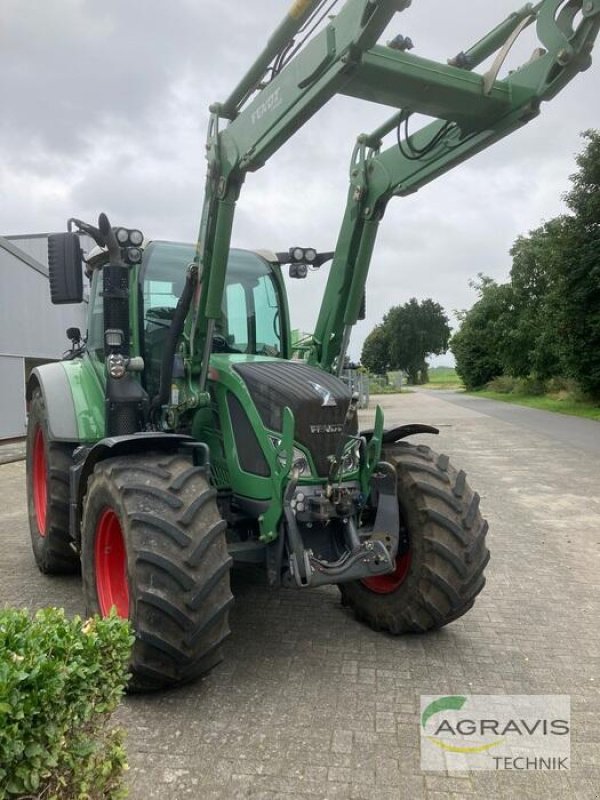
x,y
250,320
235,317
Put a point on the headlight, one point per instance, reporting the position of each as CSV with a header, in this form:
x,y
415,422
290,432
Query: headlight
x,y
136,238
122,235
351,458
298,254
310,254
300,462
127,237
298,271
114,337
299,459
133,255
115,364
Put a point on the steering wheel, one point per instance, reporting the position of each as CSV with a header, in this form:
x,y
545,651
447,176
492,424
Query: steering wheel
x,y
221,345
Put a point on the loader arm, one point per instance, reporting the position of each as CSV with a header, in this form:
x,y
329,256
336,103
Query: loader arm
x,y
460,132
277,96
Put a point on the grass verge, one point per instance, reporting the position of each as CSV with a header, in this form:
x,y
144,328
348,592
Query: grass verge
x,y
566,405
443,378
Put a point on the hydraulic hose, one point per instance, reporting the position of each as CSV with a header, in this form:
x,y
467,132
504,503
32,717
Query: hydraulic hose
x,y
175,331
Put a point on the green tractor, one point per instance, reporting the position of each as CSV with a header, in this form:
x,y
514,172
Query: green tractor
x,y
180,436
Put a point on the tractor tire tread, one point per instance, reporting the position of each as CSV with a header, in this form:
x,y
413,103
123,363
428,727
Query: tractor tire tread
x,y
448,549
54,552
178,573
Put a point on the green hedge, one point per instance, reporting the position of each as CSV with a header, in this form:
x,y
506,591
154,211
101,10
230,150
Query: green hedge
x,y
60,681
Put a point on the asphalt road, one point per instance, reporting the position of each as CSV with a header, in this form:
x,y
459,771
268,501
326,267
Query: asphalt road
x,y
311,704
577,432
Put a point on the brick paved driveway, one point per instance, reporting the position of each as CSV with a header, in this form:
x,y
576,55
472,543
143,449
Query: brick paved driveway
x,y
309,703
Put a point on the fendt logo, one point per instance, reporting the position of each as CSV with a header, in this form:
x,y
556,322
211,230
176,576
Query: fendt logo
x,y
272,102
495,732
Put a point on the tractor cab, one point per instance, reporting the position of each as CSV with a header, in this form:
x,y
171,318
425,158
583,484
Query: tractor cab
x,y
254,317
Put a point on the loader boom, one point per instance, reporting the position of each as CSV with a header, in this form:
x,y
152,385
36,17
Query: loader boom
x,y
283,89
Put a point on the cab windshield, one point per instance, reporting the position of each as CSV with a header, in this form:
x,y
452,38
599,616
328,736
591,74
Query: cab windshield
x,y
250,321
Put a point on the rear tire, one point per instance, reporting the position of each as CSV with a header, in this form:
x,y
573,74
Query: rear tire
x,y
154,546
48,465
437,580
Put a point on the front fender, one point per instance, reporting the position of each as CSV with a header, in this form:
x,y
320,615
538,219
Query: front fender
x,y
53,382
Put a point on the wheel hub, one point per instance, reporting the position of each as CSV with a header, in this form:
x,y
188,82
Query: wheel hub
x,y
40,485
112,585
385,584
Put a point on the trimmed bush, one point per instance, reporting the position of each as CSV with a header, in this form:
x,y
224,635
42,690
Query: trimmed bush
x,y
531,386
503,384
60,681
558,385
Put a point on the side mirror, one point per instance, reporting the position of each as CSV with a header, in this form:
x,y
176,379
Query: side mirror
x,y
65,268
74,335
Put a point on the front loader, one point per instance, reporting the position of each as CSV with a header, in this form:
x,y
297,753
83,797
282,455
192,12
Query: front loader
x,y
180,436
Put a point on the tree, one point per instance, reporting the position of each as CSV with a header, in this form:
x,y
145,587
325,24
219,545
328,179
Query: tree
x,y
546,321
584,197
580,270
534,345
408,334
483,335
375,353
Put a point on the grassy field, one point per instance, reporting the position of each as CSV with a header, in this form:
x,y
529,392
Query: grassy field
x,y
443,378
562,405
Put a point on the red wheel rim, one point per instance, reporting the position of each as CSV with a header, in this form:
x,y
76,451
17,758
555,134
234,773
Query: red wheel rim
x,y
111,565
386,584
40,481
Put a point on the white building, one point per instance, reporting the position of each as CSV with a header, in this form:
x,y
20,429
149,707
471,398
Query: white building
x,y
32,330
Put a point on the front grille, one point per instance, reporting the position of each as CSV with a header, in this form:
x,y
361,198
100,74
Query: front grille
x,y
249,454
273,385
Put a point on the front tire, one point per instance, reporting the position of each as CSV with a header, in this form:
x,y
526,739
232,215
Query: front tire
x,y
441,571
154,548
48,465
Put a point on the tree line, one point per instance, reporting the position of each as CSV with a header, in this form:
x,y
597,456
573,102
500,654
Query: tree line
x,y
544,322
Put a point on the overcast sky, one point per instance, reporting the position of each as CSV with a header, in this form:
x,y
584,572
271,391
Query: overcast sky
x,y
104,108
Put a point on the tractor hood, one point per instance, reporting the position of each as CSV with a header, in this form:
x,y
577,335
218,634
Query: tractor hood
x,y
318,400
